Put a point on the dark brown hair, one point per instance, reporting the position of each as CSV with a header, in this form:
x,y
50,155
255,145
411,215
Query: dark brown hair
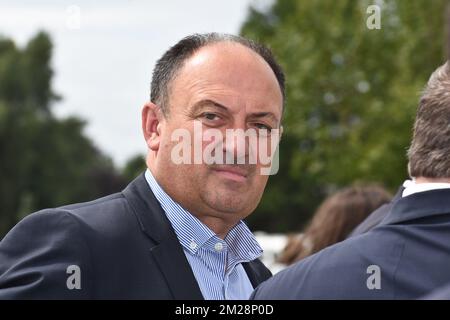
x,y
333,221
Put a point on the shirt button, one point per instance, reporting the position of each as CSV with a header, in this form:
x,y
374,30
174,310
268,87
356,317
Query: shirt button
x,y
193,245
218,246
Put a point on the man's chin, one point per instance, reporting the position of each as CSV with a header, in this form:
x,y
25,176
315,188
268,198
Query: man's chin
x,y
228,202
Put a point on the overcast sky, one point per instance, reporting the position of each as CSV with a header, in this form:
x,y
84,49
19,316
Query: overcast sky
x,y
103,60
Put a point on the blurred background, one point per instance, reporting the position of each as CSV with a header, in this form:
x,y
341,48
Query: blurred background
x,y
75,74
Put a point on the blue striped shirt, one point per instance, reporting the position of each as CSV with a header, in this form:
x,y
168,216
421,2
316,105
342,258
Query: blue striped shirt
x,y
216,263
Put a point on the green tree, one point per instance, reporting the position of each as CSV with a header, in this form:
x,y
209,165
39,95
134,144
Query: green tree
x,y
134,166
44,161
352,93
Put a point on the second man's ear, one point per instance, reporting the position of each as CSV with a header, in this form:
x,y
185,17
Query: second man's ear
x,y
151,125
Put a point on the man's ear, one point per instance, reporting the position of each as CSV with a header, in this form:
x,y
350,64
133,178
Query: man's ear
x,y
281,131
151,125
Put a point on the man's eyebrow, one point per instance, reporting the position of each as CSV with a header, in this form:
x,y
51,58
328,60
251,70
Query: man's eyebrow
x,y
208,102
264,115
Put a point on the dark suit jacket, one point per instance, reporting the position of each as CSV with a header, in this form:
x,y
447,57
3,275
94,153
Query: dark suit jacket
x,y
442,293
123,244
411,247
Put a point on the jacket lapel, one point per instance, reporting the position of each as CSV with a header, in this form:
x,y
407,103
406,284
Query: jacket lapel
x,y
172,263
167,251
256,272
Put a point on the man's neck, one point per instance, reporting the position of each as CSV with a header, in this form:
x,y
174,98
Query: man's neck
x,y
216,225
420,180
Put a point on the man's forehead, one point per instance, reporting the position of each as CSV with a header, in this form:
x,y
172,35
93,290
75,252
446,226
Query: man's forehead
x,y
209,93
220,51
223,69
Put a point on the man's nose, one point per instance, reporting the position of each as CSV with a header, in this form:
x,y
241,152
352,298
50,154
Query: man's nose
x,y
236,144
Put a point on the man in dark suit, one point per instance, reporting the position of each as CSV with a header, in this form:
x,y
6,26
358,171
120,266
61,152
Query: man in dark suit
x,y
176,232
407,254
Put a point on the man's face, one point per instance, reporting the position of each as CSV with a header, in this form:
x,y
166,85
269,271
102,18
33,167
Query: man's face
x,y
222,86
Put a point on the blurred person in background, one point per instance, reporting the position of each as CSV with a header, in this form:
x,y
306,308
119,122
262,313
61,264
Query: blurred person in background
x,y
336,217
376,216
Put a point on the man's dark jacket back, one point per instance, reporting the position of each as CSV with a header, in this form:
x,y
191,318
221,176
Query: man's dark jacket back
x,y
405,257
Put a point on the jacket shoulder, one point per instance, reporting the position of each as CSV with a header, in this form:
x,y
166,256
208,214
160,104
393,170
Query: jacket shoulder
x,y
347,270
36,255
107,201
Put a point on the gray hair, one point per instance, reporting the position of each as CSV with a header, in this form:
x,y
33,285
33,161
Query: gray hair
x,y
429,154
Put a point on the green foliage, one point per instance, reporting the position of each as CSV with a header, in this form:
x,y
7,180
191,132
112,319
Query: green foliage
x,y
44,161
135,166
351,96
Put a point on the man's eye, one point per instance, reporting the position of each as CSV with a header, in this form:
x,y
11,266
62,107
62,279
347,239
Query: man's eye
x,y
263,126
210,116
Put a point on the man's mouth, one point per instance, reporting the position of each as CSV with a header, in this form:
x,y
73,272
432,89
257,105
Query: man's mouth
x,y
234,173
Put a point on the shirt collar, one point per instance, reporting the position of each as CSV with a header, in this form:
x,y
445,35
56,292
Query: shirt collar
x,y
193,234
420,205
411,187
